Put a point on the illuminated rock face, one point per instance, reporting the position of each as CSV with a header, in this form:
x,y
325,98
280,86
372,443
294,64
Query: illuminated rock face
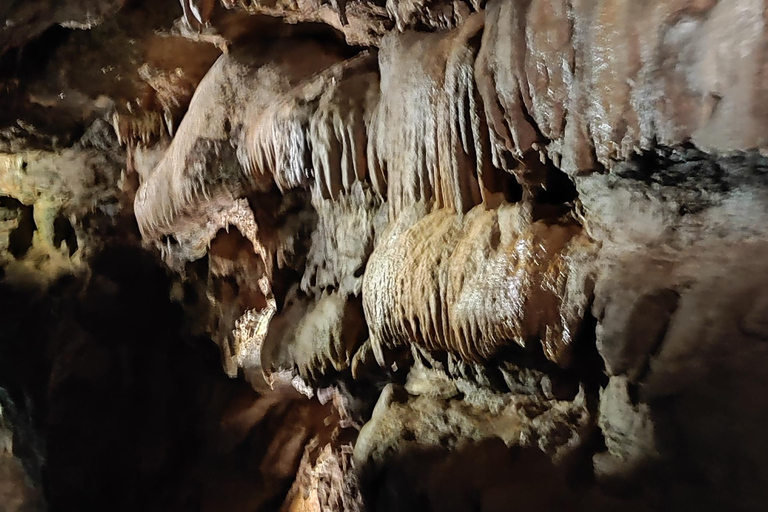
x,y
509,251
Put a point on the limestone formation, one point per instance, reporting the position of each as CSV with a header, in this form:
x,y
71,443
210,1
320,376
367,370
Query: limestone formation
x,y
383,255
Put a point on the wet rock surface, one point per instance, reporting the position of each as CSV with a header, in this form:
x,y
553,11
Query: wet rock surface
x,y
378,255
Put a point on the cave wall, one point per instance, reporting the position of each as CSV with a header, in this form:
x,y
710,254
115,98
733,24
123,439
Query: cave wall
x,y
453,255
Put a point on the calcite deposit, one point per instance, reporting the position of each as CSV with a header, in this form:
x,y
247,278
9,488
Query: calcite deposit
x,y
383,255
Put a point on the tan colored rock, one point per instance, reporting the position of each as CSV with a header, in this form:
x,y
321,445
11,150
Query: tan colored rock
x,y
471,284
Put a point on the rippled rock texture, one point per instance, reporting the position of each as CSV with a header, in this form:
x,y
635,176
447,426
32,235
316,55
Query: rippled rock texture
x,y
402,255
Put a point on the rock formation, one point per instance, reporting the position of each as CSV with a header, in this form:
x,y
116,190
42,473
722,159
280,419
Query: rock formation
x,y
366,255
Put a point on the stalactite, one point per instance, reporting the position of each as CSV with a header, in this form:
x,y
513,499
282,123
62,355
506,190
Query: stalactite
x,y
434,157
201,162
469,285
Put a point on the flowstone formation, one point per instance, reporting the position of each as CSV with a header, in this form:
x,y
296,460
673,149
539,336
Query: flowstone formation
x,y
402,255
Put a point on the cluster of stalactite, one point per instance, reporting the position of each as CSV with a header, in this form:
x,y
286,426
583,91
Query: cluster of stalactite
x,y
456,223
429,162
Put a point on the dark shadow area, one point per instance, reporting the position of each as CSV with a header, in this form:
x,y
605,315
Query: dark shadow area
x,y
483,476
64,232
30,60
114,408
711,435
587,365
20,239
559,187
105,381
